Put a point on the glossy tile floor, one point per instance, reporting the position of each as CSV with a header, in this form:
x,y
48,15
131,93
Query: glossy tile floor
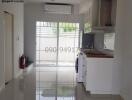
x,y
55,83
51,83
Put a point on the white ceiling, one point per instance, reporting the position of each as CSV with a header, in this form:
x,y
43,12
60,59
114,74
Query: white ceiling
x,y
56,1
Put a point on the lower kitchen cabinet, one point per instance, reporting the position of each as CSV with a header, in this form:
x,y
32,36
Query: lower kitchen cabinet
x,y
98,75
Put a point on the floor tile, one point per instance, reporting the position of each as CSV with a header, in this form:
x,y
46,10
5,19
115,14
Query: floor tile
x,y
47,76
47,69
49,84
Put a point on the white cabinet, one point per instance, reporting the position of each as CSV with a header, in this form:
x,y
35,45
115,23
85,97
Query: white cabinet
x,y
2,53
91,16
98,75
6,52
8,47
99,16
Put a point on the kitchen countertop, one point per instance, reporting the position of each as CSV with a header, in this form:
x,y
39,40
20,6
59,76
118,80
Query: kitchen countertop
x,y
96,54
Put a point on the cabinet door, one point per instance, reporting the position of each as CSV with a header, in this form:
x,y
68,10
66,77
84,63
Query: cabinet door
x,y
2,50
80,66
84,69
105,12
8,48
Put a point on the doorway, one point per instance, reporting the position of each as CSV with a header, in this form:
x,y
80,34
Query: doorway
x,y
56,43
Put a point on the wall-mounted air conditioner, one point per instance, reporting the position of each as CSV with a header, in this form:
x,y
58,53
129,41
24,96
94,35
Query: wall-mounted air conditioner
x,y
8,1
58,8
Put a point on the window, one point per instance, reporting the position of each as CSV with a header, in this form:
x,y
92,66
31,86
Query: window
x,y
87,28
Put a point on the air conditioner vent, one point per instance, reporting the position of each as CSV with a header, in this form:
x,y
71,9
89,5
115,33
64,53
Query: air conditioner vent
x,y
8,1
57,4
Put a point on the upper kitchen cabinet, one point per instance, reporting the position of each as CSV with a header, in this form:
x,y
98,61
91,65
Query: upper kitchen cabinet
x,y
99,15
107,13
89,9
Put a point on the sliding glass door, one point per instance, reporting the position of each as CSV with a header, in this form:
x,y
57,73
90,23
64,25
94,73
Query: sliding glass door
x,y
46,40
68,43
56,43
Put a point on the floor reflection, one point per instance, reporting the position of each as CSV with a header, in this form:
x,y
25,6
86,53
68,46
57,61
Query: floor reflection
x,y
55,83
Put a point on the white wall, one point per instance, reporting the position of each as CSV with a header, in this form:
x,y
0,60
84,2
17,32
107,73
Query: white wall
x,y
17,9
99,41
84,6
124,30
35,12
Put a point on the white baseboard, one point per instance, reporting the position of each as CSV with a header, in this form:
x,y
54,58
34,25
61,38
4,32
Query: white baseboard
x,y
2,87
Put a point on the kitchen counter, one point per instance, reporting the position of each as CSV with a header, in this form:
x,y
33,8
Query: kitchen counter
x,y
97,72
96,54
